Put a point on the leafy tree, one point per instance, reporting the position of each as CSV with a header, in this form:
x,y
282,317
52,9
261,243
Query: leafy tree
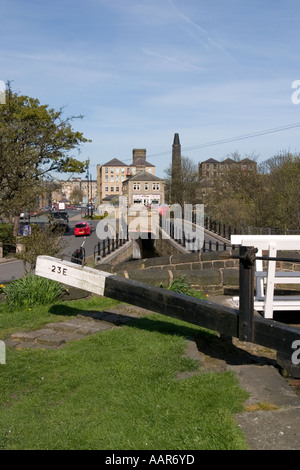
x,y
41,241
76,195
233,197
268,197
282,197
188,182
35,140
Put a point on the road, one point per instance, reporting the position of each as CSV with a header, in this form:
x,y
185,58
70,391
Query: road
x,y
74,243
11,270
14,269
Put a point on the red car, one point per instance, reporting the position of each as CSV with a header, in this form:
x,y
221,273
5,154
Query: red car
x,y
82,228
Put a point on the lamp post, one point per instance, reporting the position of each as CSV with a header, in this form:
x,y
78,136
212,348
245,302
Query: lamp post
x,y
88,186
91,195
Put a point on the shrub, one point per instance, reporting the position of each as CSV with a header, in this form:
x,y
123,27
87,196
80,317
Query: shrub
x,y
32,290
181,286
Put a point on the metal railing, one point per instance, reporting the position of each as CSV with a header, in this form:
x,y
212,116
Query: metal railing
x,y
107,246
177,234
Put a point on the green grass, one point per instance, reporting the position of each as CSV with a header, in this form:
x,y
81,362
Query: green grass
x,y
116,390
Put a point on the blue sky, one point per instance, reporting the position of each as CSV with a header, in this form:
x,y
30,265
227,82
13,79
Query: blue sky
x,y
142,70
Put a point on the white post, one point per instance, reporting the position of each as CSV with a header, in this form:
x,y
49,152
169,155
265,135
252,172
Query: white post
x,y
268,310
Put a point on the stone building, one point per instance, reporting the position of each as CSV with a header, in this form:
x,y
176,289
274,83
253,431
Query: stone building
x,y
144,188
64,190
211,168
111,175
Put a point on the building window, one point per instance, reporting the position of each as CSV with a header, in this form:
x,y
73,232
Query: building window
x,y
155,187
111,179
106,178
123,178
112,189
117,178
111,170
146,186
106,188
106,170
117,188
136,186
117,170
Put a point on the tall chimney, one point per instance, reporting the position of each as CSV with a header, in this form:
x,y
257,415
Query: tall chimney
x,y
176,178
138,154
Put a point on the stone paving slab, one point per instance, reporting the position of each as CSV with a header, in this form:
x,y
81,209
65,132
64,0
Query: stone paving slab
x,y
265,385
56,334
277,427
271,430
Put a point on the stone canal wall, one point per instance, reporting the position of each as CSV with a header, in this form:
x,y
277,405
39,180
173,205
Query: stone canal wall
x,y
208,272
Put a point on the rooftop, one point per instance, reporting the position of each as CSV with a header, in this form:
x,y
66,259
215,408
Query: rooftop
x,y
144,176
141,162
114,162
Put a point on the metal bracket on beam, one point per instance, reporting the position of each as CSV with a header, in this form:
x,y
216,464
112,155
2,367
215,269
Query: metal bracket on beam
x,y
246,302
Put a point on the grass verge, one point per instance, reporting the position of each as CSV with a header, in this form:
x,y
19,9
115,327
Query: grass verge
x,y
115,390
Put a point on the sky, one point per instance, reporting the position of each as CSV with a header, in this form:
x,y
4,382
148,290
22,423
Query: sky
x,y
220,73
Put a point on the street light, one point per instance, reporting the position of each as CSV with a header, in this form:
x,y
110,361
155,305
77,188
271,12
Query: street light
x,y
88,186
91,195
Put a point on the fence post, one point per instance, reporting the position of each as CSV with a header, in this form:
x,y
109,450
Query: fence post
x,y
246,303
104,248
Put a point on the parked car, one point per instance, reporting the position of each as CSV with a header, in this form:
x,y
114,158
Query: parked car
x,y
82,228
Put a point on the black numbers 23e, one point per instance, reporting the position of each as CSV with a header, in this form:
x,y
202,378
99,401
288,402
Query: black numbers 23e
x,y
59,270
